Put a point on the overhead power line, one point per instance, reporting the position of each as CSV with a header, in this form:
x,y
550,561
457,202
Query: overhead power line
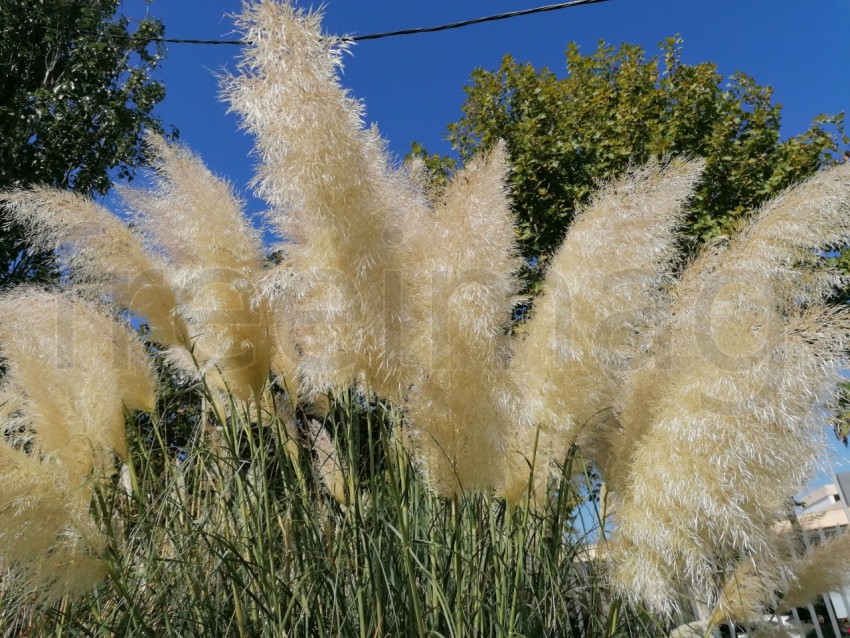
x,y
466,23
390,34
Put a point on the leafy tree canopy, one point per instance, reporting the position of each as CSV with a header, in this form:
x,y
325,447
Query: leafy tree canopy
x,y
77,96
617,107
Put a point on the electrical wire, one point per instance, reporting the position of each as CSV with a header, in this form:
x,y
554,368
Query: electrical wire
x,y
466,23
389,34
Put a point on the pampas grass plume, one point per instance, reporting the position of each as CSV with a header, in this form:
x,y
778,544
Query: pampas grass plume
x,y
825,567
46,534
602,300
335,198
750,357
79,372
101,252
197,223
459,408
72,374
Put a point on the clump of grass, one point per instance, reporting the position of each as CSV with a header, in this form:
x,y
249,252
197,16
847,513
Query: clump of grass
x,y
378,454
247,541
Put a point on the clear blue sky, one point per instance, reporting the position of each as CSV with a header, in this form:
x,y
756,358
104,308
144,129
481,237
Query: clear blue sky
x,y
413,85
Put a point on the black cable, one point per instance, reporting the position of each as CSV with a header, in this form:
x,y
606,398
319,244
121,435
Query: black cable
x,y
389,34
465,23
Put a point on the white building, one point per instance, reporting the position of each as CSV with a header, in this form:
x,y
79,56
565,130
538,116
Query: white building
x,y
822,514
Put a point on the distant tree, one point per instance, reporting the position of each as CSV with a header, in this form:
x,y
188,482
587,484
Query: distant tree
x,y
77,94
615,108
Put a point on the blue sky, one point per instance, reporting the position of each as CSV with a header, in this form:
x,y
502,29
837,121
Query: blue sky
x,y
412,86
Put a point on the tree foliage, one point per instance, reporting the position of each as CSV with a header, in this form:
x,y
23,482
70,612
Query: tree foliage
x,y
77,95
617,108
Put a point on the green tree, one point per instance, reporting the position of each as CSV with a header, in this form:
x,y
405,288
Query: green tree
x,y
77,96
616,107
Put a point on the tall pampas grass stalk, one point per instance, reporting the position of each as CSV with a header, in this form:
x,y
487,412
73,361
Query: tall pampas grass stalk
x,y
336,199
194,220
72,374
603,300
461,405
751,356
102,253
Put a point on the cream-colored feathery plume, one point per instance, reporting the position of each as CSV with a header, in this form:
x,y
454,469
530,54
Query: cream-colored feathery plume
x,y
196,222
284,356
791,577
726,450
747,591
825,567
192,215
46,534
79,371
459,408
602,300
657,367
10,404
787,230
103,251
335,197
719,437
73,372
